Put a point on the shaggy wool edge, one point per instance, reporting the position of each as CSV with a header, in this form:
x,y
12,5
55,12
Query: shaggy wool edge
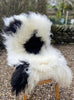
x,y
49,63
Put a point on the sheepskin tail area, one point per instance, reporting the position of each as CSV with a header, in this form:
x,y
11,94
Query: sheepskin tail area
x,y
19,78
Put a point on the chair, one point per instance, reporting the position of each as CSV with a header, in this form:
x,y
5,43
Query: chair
x,y
29,50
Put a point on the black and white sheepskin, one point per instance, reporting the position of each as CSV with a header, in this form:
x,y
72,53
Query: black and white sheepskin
x,y
29,49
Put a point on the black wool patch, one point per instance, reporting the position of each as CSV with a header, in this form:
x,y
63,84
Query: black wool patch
x,y
19,78
13,27
34,44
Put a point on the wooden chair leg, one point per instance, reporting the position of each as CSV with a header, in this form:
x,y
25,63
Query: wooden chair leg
x,y
57,92
42,82
24,97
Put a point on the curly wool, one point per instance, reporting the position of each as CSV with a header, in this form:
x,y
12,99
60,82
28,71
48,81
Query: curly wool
x,y
48,62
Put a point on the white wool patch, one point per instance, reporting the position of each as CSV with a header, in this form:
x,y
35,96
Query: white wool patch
x,y
8,20
49,63
14,44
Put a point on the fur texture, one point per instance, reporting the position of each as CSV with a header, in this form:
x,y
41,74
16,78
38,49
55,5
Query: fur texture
x,y
19,78
46,62
12,28
34,44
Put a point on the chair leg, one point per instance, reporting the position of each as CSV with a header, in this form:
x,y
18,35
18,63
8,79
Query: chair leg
x,y
57,92
24,97
42,82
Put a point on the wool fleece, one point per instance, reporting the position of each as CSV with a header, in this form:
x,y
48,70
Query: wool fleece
x,y
29,50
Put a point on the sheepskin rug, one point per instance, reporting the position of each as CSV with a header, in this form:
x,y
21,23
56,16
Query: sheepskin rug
x,y
27,39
